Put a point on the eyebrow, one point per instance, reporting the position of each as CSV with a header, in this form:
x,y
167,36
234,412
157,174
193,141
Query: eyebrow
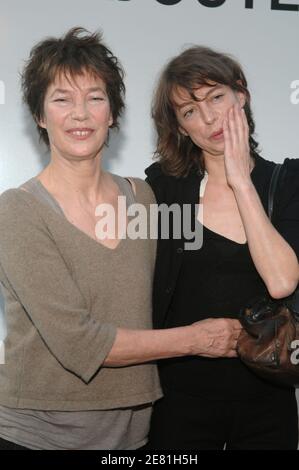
x,y
186,103
89,90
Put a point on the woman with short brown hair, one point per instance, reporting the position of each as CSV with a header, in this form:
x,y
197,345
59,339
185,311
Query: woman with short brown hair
x,y
79,370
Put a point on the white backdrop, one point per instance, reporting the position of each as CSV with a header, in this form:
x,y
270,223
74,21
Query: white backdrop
x,y
144,34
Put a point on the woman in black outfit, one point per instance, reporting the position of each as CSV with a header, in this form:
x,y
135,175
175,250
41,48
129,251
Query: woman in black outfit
x,y
207,153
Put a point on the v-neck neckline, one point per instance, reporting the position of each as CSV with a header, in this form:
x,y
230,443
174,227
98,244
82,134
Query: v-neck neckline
x,y
217,234
61,212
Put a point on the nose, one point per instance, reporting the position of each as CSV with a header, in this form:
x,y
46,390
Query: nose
x,y
80,111
207,113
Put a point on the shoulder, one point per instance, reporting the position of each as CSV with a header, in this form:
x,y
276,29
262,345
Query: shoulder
x,y
263,168
163,185
154,171
292,166
18,207
173,189
17,197
10,199
142,190
261,176
160,183
289,181
155,175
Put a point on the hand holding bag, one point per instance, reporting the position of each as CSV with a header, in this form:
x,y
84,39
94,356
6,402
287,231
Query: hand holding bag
x,y
269,342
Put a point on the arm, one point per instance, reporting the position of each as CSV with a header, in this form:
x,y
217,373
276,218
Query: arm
x,y
274,258
208,338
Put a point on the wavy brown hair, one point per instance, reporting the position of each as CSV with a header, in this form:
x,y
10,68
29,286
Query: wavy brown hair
x,y
195,66
77,52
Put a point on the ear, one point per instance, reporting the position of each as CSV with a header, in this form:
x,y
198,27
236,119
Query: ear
x,y
41,122
182,131
110,122
241,96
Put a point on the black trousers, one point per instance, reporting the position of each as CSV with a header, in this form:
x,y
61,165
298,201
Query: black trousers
x,y
7,445
180,421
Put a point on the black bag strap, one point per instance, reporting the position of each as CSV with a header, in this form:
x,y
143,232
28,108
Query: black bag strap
x,y
272,189
293,300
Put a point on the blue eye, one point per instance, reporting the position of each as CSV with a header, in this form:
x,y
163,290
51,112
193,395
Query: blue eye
x,y
188,113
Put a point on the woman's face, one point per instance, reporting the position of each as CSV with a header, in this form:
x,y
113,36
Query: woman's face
x,y
202,120
77,116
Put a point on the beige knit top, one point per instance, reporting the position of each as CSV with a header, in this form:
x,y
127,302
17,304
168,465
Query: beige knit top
x,y
65,295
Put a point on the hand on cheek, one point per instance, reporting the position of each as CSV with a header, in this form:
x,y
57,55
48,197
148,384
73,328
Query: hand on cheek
x,y
236,146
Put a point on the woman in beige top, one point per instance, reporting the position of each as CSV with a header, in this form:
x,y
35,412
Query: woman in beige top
x,y
79,370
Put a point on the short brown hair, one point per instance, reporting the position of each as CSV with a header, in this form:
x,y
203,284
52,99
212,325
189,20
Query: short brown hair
x,y
76,52
195,66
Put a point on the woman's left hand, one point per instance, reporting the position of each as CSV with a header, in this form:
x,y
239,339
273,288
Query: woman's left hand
x,y
237,157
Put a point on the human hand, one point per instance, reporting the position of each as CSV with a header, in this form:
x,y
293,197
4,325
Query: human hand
x,y
216,337
237,157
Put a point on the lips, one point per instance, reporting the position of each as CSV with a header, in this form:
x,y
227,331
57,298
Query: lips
x,y
81,133
217,135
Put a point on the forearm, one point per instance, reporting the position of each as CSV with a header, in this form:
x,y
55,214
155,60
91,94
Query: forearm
x,y
138,346
274,259
213,337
